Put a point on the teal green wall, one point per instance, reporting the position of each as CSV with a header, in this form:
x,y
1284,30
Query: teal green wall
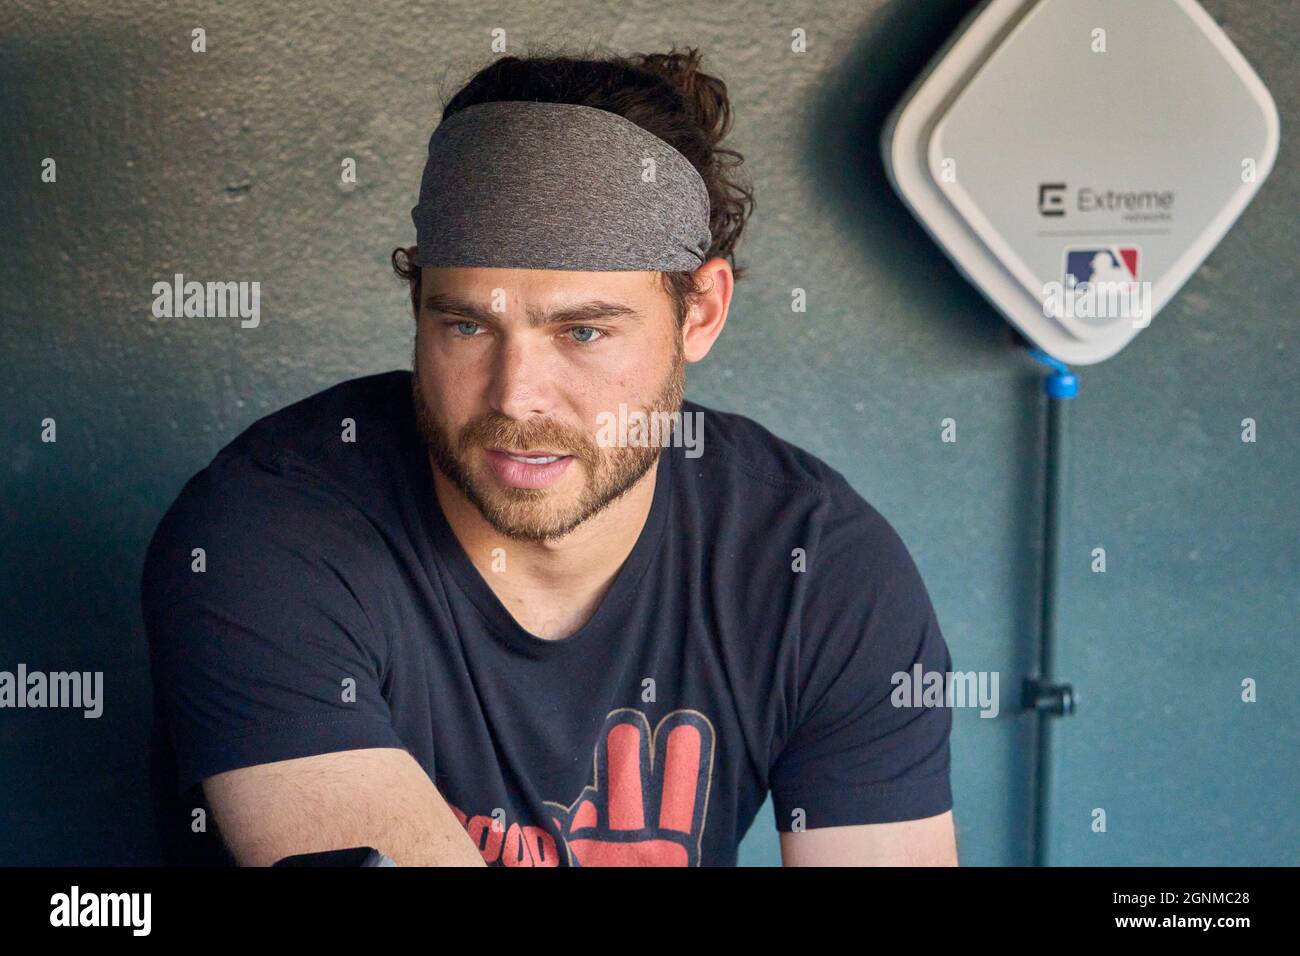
x,y
226,166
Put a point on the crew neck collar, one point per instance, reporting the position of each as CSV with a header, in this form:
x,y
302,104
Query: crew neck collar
x,y
609,614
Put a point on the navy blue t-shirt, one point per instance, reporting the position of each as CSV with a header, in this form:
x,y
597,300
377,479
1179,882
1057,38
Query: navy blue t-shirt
x,y
748,643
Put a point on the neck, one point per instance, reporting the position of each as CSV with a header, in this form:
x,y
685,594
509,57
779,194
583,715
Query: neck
x,y
587,557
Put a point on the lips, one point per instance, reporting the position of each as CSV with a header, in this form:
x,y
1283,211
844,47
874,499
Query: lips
x,y
535,468
532,456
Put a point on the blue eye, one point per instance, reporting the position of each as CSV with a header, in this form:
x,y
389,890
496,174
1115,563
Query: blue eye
x,y
466,328
586,328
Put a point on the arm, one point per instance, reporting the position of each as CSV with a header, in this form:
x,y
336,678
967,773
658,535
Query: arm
x,y
269,668
378,797
862,777
927,842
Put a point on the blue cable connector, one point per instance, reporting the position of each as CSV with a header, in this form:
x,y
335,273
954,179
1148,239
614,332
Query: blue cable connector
x,y
1062,382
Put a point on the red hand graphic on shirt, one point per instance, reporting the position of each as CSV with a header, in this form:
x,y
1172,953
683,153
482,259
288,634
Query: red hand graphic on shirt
x,y
645,808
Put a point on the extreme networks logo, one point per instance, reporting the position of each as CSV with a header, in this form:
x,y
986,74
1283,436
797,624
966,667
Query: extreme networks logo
x,y
1132,205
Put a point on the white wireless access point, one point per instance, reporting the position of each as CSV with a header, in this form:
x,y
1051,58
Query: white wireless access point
x,y
1056,149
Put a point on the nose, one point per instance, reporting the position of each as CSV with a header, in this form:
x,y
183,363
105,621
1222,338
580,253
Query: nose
x,y
522,377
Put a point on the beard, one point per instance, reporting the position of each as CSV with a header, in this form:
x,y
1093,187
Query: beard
x,y
535,514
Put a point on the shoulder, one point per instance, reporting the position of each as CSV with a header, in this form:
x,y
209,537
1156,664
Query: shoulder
x,y
775,508
341,439
328,431
741,443
770,472
301,482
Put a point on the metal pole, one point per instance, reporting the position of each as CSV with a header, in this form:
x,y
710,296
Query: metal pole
x,y
1045,698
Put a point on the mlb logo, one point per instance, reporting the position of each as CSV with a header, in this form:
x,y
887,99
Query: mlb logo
x,y
1105,264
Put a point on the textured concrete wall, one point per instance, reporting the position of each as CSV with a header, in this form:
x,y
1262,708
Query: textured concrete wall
x,y
225,165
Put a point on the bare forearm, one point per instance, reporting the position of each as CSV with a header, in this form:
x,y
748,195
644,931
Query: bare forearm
x,y
378,798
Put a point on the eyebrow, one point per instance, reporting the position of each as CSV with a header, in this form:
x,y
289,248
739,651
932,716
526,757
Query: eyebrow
x,y
593,311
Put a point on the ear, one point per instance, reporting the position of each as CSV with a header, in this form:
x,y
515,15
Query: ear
x,y
708,314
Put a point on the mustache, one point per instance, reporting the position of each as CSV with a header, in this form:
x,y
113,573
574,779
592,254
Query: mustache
x,y
489,431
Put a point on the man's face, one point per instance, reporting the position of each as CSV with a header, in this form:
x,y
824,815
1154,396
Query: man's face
x,y
512,361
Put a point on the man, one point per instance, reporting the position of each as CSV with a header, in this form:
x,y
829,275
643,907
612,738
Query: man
x,y
491,612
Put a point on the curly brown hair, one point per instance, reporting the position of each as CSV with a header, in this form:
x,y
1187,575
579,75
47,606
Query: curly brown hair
x,y
666,94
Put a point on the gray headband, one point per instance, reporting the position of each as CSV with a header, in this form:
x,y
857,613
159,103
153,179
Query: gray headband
x,y
525,185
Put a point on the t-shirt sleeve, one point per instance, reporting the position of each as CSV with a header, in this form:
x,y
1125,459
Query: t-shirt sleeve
x,y
260,648
858,752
